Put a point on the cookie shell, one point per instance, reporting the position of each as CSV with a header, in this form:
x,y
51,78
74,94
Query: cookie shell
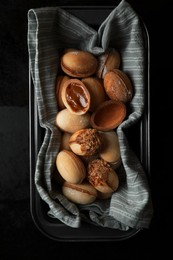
x,y
107,61
85,142
118,85
110,150
96,90
68,122
109,115
70,167
78,63
58,89
83,193
102,176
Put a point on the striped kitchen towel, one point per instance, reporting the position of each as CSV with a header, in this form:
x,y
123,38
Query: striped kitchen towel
x,y
51,29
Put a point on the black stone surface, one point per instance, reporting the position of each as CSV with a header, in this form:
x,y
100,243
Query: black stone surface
x,y
19,236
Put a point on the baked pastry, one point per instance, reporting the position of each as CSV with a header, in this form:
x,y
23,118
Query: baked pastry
x,y
70,167
109,60
102,176
96,90
118,85
85,142
108,116
68,122
110,150
58,90
78,63
83,193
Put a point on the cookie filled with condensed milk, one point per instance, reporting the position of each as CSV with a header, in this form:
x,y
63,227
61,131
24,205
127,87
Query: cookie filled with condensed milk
x,y
78,63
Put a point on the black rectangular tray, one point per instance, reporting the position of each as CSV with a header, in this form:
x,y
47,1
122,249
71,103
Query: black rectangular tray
x,y
140,132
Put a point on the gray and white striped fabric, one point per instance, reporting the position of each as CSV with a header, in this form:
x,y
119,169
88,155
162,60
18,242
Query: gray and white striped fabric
x,y
50,30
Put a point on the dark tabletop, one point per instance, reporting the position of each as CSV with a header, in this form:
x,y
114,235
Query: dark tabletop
x,y
19,236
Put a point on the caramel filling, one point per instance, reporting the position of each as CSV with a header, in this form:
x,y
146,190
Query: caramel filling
x,y
76,97
78,188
